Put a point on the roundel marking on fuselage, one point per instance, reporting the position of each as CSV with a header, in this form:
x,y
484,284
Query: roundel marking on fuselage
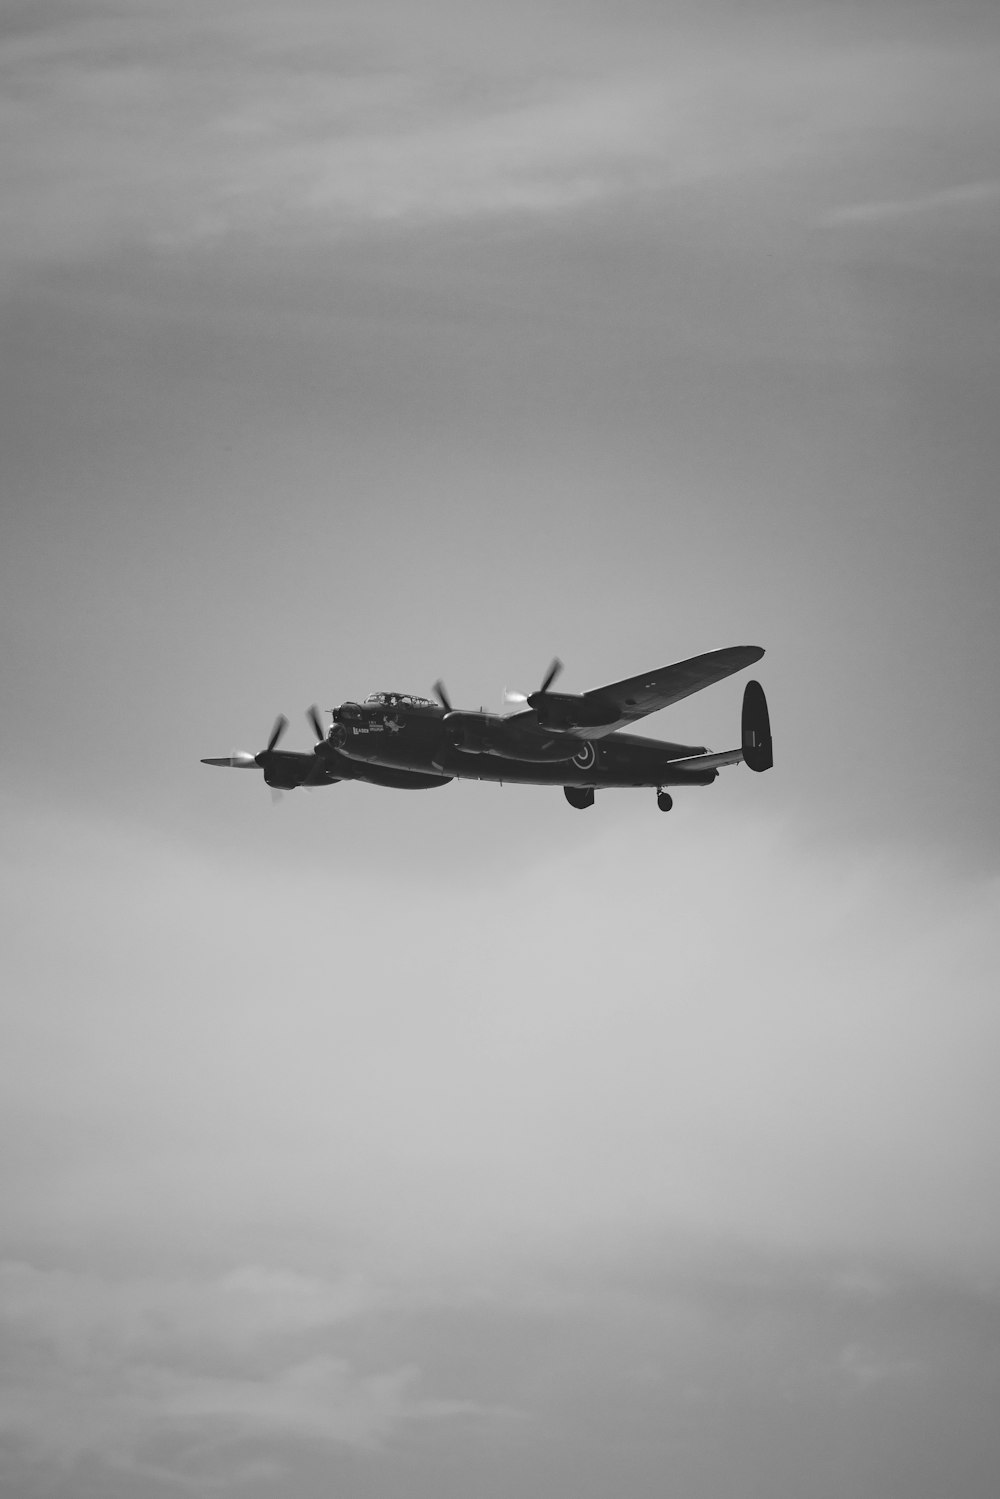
x,y
586,756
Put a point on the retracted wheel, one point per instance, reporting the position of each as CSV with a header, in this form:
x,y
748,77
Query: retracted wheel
x,y
664,801
579,796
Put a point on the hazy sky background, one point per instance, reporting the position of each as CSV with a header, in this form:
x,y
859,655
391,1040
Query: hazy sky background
x,y
460,1144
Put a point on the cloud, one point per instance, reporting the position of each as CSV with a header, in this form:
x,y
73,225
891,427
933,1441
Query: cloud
x,y
129,130
151,1316
674,1154
173,128
945,202
800,1059
198,1371
651,1348
865,1368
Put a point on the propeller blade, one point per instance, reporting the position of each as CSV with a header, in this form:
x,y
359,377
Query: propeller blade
x,y
280,725
514,697
312,713
239,760
442,696
551,674
315,776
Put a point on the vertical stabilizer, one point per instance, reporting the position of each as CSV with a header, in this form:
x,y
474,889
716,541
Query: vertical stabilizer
x,y
757,749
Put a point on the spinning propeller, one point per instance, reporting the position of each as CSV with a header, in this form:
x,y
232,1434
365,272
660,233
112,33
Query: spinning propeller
x,y
535,699
285,771
242,759
312,714
280,725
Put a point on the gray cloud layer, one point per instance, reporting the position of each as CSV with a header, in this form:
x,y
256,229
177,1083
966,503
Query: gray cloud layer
x,y
171,128
460,1144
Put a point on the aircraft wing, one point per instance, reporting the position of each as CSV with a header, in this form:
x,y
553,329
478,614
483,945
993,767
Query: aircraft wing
x,y
621,703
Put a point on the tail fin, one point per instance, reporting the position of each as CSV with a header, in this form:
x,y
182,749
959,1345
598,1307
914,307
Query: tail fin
x,y
758,752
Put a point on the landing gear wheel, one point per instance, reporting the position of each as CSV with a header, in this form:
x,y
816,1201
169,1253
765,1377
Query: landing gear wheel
x,y
664,801
580,797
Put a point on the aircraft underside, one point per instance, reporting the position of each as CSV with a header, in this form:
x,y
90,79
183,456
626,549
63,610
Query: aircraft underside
x,y
465,767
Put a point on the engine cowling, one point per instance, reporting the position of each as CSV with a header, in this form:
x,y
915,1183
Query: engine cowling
x,y
559,711
488,734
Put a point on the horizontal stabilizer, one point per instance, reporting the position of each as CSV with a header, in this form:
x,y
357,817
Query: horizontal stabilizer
x,y
708,762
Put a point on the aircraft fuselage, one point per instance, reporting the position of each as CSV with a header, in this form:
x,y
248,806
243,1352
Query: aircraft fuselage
x,y
423,740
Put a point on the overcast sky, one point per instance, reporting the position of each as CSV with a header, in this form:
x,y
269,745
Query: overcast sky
x,y
456,1144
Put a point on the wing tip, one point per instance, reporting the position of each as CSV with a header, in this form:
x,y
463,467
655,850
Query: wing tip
x,y
746,655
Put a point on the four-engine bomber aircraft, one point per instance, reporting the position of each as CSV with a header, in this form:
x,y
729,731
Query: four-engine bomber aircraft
x,y
557,739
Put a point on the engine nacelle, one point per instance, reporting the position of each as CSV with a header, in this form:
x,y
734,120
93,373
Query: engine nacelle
x,y
469,732
488,734
559,711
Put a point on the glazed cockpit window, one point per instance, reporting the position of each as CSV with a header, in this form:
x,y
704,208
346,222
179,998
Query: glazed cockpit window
x,y
397,700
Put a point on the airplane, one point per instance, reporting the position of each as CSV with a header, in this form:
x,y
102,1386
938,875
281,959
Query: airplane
x,y
556,739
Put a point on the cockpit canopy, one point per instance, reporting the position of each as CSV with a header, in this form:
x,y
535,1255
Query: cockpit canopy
x,y
397,700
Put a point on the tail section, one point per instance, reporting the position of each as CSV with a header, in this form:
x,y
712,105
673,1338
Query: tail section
x,y
758,751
